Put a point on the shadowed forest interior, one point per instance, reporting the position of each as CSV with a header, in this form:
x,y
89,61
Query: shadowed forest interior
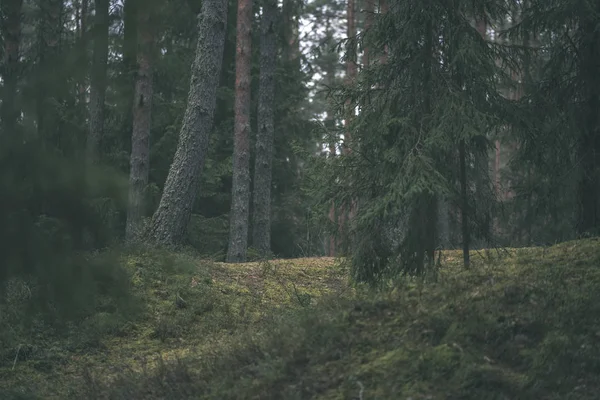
x,y
299,199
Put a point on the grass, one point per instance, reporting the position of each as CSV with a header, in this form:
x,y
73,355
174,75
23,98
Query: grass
x,y
520,324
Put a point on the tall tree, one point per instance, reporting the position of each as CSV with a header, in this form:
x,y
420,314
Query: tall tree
x,y
98,78
11,32
261,235
170,220
240,192
49,75
142,121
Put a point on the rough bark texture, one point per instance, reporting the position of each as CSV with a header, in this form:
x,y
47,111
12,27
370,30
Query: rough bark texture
x,y
172,216
98,79
240,196
261,235
142,120
11,31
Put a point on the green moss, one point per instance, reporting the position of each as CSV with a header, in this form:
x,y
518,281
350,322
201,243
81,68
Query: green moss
x,y
520,324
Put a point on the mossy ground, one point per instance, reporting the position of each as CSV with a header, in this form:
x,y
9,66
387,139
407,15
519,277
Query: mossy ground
x,y
520,324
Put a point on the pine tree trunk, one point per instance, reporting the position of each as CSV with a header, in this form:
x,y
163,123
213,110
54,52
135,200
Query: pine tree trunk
x,y
142,122
82,36
331,129
261,237
11,31
369,18
170,220
240,196
98,79
129,50
291,33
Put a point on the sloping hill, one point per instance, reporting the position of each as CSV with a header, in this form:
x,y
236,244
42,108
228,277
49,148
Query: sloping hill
x,y
521,324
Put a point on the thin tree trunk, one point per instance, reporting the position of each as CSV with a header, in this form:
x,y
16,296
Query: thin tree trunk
x,y
347,210
142,122
466,233
98,79
129,50
170,220
82,21
330,126
48,83
264,139
11,31
240,196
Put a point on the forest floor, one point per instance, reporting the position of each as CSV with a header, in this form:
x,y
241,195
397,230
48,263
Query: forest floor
x,y
520,324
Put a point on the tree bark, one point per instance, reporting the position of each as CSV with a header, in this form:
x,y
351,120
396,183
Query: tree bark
x,y
98,79
369,17
142,122
261,235
11,31
48,84
129,50
240,199
170,220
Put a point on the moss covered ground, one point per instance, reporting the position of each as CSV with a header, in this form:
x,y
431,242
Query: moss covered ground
x,y
520,324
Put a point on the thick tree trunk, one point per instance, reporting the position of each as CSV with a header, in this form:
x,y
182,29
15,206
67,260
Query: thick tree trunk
x,y
98,79
261,235
142,122
170,220
11,31
240,196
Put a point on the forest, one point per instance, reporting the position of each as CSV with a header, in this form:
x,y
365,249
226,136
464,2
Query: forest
x,y
300,199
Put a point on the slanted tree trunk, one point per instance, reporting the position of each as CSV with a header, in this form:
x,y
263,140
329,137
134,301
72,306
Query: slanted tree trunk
x,y
240,196
11,31
170,220
98,79
261,235
142,122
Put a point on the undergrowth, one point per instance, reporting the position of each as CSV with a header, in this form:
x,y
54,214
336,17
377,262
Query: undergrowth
x,y
520,324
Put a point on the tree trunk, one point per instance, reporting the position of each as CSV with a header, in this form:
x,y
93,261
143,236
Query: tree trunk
x,y
369,17
82,10
170,220
98,79
142,120
291,32
11,31
261,237
331,130
464,214
49,76
589,143
129,50
240,198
